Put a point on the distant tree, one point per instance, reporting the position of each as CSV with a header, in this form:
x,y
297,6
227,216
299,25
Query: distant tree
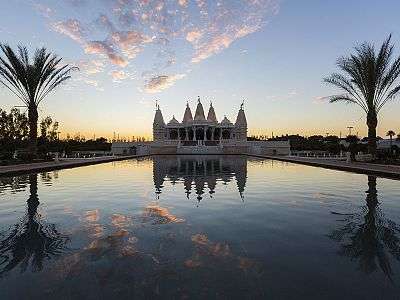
x,y
398,137
45,126
101,140
369,80
391,134
14,131
316,138
13,125
332,139
31,81
353,143
53,134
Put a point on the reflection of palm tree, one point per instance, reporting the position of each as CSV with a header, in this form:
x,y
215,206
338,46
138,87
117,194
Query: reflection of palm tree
x,y
368,237
31,241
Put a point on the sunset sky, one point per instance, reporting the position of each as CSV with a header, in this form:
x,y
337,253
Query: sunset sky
x,y
271,53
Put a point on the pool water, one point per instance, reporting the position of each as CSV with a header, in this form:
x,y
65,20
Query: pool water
x,y
199,227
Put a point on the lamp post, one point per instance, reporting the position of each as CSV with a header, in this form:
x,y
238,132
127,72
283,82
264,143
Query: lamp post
x,y
350,128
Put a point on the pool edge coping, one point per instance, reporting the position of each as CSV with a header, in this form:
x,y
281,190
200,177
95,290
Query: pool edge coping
x,y
50,166
366,170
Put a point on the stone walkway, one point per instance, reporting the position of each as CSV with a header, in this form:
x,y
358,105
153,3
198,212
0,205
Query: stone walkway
x,y
62,164
390,171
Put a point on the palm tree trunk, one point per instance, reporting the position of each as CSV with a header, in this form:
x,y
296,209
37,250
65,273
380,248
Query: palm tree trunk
x,y
33,120
372,122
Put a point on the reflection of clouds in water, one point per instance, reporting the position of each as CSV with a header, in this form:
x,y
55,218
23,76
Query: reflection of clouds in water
x,y
92,215
68,210
205,246
120,221
141,254
207,251
246,263
91,219
159,215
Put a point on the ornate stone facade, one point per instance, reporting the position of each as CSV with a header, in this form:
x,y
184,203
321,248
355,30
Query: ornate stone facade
x,y
199,130
201,135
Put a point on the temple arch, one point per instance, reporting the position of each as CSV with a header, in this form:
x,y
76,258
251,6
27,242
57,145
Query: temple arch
x,y
199,133
173,134
182,134
226,134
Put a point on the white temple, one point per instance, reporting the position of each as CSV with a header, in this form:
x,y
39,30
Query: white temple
x,y
200,135
199,130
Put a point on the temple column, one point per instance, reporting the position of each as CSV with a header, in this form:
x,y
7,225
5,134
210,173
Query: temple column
x,y
212,133
186,134
194,133
205,133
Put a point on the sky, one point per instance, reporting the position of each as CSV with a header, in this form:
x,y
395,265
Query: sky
x,y
271,54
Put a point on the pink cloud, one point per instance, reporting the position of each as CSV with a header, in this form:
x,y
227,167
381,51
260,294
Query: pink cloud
x,y
129,42
158,83
119,75
183,3
71,28
103,48
118,30
194,35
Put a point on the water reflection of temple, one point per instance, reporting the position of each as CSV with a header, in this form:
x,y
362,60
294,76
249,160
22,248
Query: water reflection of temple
x,y
199,174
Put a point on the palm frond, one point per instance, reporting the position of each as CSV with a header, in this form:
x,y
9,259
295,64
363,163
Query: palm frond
x,y
369,77
32,81
342,98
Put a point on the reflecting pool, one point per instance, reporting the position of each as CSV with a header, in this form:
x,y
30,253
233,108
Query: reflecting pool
x,y
199,227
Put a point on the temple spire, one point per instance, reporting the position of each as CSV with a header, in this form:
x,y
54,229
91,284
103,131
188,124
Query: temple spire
x,y
187,117
199,115
211,117
158,117
241,120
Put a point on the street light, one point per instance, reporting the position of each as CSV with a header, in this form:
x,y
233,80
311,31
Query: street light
x,y
350,128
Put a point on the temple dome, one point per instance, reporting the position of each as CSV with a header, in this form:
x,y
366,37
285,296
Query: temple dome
x,y
211,117
199,115
187,117
158,118
241,118
226,121
173,121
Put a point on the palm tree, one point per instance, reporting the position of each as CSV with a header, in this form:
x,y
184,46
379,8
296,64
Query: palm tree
x,y
31,81
368,79
391,134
